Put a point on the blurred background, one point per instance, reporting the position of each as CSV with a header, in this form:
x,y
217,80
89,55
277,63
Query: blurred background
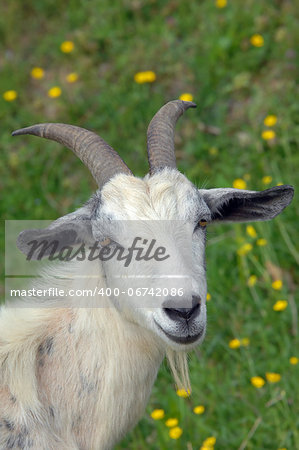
x,y
109,66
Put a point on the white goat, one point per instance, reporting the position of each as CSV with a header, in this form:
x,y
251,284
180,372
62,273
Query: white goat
x,y
78,377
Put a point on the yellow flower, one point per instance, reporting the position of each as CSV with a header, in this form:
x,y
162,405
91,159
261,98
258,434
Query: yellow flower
x,y
183,393
234,343
267,135
208,297
245,342
221,3
145,77
252,280
157,414
186,97
72,77
257,382
257,40
67,46
279,184
239,183
171,423
282,448
37,73
273,377
280,305
267,179
246,248
250,230
270,121
10,96
54,92
277,285
213,151
200,409
175,433
209,442
261,242
293,360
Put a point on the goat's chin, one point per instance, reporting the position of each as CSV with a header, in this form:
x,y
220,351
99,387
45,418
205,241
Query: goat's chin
x,y
176,341
181,343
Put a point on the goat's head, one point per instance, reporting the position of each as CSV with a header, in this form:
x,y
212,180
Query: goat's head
x,y
158,203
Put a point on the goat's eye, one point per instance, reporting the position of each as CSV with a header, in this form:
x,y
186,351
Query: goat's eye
x,y
202,223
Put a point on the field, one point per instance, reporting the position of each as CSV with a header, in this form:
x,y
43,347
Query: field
x,y
238,62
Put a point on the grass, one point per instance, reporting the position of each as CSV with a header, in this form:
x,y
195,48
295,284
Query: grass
x,y
198,48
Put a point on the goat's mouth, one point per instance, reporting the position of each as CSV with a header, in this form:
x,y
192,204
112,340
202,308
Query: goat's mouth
x,y
189,339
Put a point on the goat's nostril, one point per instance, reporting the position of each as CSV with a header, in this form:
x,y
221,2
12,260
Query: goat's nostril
x,y
185,313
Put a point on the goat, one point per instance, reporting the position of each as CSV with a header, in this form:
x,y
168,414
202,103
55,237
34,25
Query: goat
x,y
78,376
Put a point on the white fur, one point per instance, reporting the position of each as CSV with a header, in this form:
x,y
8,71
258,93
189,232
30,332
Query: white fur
x,y
79,378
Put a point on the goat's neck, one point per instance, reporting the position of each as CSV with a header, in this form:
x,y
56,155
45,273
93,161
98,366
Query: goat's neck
x,y
113,366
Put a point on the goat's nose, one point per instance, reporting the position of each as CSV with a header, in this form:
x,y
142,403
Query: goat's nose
x,y
185,313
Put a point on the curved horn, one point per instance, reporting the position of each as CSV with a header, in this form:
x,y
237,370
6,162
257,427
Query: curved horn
x,y
160,135
101,159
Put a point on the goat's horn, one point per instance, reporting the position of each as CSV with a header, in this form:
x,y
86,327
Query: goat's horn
x,y
160,135
101,159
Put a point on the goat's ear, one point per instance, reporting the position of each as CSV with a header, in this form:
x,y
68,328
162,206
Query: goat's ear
x,y
238,205
67,231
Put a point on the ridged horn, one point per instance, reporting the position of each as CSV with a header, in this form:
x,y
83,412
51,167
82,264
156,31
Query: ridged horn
x,y
101,159
160,135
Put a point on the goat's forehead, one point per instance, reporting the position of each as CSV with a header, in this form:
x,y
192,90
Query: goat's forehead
x,y
165,195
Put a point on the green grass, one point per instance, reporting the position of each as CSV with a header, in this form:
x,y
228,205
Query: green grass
x,y
194,47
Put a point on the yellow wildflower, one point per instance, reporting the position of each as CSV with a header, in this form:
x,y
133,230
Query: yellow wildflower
x,y
67,46
279,184
183,393
200,409
257,40
245,342
145,77
273,377
208,297
234,343
246,248
209,442
257,382
261,242
157,414
186,97
267,135
171,423
293,360
252,280
54,92
250,230
270,121
267,179
10,95
239,183
280,305
221,3
72,77
175,433
213,151
277,285
37,73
